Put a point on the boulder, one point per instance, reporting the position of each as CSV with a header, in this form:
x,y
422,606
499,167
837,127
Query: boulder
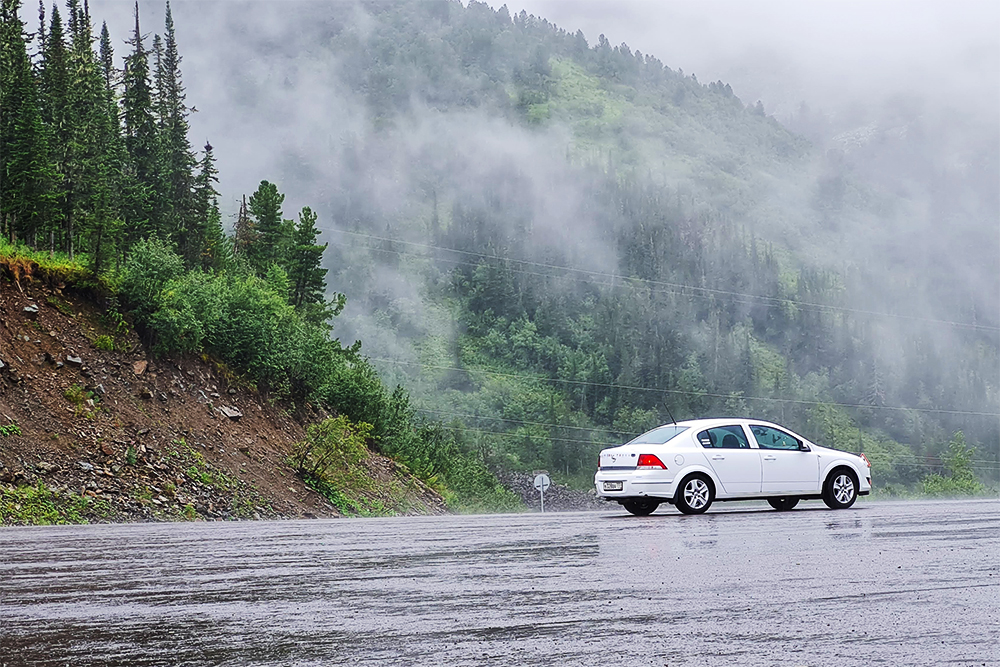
x,y
75,362
139,367
31,312
231,412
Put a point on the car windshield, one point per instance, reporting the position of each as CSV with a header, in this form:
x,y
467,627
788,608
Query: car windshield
x,y
658,436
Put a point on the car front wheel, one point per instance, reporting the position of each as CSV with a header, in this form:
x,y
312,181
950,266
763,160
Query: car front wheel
x,y
840,490
695,495
782,504
641,506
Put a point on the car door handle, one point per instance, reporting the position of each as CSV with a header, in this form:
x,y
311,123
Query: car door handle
x,y
770,458
718,457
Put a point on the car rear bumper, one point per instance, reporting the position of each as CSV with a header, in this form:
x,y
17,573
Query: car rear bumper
x,y
635,483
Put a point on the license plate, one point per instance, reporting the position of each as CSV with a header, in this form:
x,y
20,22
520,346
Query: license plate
x,y
613,486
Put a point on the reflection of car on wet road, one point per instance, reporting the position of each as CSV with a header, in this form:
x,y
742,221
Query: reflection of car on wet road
x,y
690,464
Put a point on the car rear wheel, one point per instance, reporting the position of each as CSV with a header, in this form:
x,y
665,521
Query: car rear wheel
x,y
641,506
840,490
695,495
783,504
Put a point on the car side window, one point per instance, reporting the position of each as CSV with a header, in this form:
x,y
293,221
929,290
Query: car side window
x,y
723,437
771,438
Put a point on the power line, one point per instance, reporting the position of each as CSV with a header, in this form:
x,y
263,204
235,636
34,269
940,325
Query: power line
x,y
896,461
967,413
520,421
512,434
989,465
673,287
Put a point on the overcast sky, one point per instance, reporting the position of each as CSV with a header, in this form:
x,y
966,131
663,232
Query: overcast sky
x,y
828,53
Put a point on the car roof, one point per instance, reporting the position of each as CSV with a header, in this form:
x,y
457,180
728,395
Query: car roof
x,y
721,421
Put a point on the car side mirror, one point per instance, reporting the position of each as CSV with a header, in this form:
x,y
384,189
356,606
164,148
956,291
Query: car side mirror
x,y
803,447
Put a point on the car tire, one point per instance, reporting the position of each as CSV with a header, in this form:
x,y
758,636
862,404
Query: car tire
x,y
840,489
783,504
641,506
695,494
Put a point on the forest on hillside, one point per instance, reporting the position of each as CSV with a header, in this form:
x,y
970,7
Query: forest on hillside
x,y
100,184
546,245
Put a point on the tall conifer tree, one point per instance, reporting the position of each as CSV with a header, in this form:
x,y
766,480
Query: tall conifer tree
x,y
140,142
273,233
57,113
305,271
99,154
26,175
177,160
206,235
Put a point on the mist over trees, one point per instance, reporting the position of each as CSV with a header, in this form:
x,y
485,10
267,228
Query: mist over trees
x,y
552,243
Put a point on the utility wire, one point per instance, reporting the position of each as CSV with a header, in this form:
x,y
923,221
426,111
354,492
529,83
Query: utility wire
x,y
989,465
529,423
673,287
967,413
895,461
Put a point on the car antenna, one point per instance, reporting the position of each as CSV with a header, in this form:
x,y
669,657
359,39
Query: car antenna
x,y
672,420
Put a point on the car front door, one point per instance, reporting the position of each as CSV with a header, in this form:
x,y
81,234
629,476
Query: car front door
x,y
734,462
785,466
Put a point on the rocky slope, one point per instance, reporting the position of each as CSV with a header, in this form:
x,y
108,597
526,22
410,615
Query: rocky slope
x,y
92,428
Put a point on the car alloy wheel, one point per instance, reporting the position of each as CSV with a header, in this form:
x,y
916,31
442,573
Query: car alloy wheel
x,y
841,490
695,495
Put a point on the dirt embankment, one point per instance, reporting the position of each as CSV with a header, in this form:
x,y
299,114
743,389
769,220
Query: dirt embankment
x,y
94,428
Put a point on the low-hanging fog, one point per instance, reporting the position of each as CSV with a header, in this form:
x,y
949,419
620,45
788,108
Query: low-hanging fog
x,y
901,97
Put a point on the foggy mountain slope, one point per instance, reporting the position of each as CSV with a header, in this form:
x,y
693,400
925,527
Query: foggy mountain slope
x,y
717,261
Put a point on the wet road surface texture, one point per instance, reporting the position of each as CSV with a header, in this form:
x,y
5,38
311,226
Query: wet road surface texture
x,y
881,583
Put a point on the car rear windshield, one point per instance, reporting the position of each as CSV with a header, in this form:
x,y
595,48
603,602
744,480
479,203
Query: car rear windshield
x,y
659,436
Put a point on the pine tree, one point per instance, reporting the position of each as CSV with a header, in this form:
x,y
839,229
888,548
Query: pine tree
x,y
273,233
139,209
305,272
94,213
57,113
176,158
107,58
206,235
26,175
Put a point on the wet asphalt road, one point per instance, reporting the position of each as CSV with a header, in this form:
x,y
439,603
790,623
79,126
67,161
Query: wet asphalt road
x,y
882,583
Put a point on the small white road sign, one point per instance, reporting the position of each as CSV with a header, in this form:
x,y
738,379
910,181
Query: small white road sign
x,y
542,483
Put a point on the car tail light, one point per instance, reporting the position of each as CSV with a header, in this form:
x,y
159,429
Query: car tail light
x,y
649,462
865,459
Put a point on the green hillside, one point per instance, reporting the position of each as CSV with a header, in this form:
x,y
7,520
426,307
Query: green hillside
x,y
639,245
546,245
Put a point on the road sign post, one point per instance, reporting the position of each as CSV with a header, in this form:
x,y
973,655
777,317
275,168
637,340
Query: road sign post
x,y
542,483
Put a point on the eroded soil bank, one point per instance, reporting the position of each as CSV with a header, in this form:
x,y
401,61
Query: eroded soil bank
x,y
94,428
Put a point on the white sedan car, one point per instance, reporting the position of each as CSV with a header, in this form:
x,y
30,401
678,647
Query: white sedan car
x,y
691,464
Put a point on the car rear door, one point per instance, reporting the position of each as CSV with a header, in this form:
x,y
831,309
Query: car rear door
x,y
785,466
734,461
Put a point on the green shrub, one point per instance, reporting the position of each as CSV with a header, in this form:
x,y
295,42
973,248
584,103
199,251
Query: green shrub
x,y
331,446
960,479
104,343
150,266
